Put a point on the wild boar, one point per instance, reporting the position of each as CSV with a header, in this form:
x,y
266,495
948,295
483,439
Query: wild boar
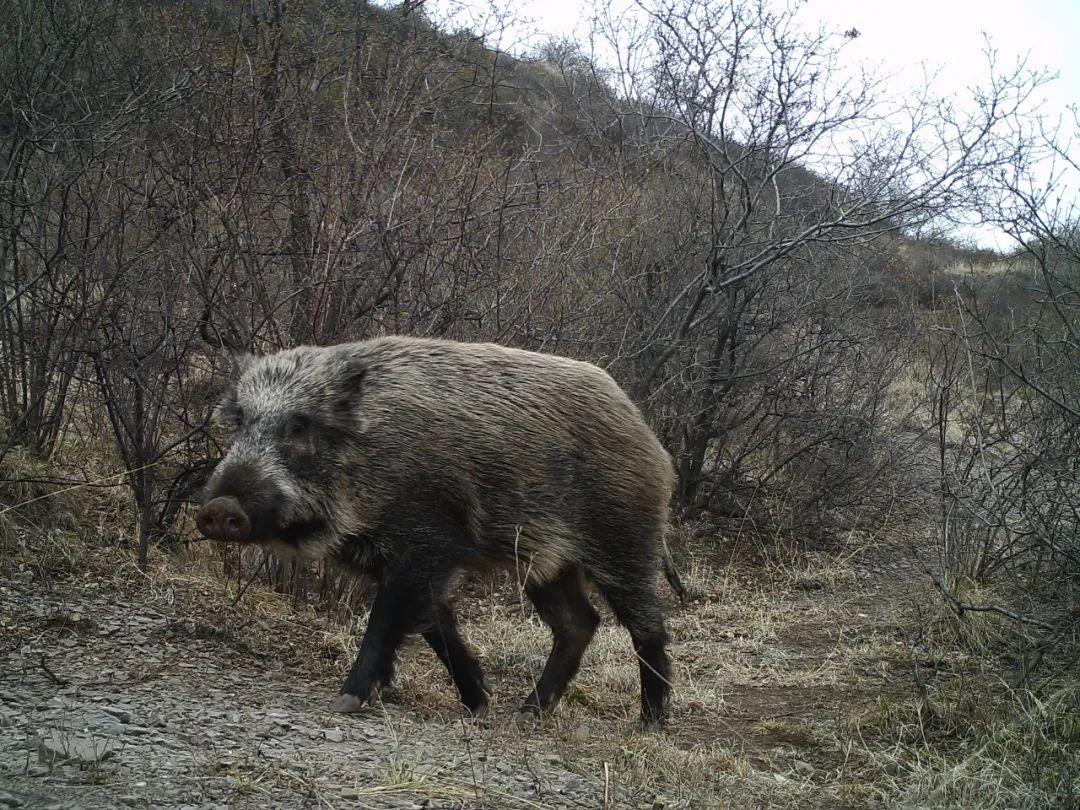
x,y
413,459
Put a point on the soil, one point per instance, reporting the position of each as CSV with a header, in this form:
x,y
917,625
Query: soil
x,y
152,691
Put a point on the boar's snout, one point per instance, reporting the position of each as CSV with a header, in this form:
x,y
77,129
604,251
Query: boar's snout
x,y
223,519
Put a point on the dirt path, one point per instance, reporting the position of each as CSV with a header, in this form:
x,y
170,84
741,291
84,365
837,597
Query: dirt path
x,y
161,694
113,703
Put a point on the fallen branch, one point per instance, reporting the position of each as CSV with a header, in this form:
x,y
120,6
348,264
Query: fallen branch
x,y
258,570
56,679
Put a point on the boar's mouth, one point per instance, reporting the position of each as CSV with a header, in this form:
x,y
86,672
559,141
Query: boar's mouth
x,y
295,533
267,529
227,519
242,507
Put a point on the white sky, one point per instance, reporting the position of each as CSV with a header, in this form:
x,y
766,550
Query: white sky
x,y
900,37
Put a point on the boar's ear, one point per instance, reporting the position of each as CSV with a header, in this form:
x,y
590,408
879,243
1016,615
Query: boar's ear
x,y
227,412
349,385
225,339
241,361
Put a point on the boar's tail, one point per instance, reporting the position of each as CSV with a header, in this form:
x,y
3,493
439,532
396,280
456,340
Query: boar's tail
x,y
671,573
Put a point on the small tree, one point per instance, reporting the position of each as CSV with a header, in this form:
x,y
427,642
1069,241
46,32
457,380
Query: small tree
x,y
1010,433
765,180
58,114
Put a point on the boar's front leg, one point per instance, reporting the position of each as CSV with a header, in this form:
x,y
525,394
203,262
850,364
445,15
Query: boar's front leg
x,y
444,638
402,605
423,546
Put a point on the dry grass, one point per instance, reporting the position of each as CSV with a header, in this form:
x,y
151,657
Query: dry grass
x,y
792,680
999,749
38,520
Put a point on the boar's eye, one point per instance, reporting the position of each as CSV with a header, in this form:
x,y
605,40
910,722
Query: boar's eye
x,y
297,427
229,415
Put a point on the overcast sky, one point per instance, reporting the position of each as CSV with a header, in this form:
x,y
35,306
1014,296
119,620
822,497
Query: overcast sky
x,y
951,36
902,37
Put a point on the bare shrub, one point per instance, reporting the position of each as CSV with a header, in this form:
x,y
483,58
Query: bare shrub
x,y
323,174
1009,435
57,116
740,313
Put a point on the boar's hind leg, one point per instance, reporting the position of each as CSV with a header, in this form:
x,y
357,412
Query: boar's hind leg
x,y
636,604
444,638
564,606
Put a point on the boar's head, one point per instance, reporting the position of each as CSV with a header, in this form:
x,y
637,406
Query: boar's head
x,y
293,419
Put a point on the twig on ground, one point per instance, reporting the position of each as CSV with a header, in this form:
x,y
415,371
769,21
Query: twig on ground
x,y
56,679
255,573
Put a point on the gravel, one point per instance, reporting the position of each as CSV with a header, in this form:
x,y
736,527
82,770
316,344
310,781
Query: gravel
x,y
107,702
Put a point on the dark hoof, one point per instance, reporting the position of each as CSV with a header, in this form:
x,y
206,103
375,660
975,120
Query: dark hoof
x,y
386,694
347,704
476,713
527,718
650,725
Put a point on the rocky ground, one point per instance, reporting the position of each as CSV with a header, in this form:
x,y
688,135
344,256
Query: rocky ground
x,y
108,703
159,691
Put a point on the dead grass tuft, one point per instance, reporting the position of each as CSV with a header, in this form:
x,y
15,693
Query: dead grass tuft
x,y
38,519
792,677
1017,751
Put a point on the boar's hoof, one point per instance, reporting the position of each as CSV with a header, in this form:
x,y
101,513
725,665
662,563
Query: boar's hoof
x,y
346,704
476,713
383,693
527,718
650,725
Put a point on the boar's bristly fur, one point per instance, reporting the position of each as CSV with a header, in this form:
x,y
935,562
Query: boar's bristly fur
x,y
411,459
